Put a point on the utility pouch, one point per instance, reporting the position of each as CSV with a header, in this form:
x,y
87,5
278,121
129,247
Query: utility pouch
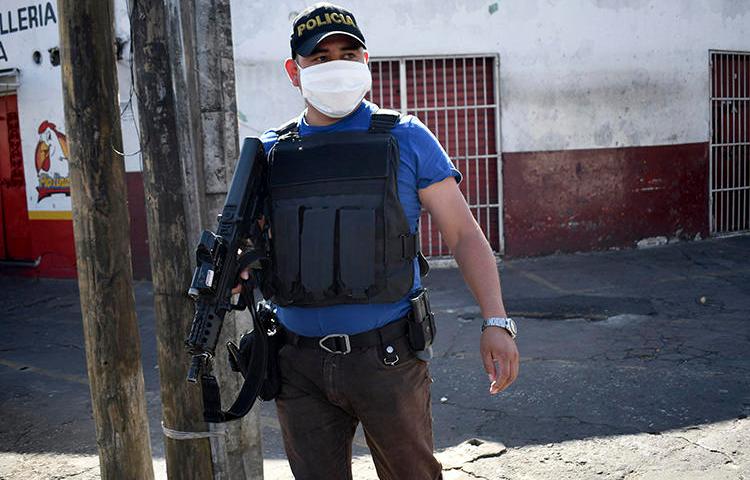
x,y
421,322
239,357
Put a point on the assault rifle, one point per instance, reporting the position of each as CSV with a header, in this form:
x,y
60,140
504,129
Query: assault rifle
x,y
240,241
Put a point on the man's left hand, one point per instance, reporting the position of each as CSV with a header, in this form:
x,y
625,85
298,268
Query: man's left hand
x,y
500,357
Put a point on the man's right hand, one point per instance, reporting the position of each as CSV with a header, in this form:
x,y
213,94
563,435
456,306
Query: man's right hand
x,y
244,275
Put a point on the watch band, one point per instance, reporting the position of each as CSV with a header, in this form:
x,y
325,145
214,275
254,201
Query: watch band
x,y
503,322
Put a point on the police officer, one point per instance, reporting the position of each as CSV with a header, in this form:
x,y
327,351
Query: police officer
x,y
341,299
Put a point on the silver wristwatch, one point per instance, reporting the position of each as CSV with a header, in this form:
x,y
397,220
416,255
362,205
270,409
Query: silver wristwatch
x,y
502,322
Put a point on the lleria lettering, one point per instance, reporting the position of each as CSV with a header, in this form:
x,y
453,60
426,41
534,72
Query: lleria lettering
x,y
26,18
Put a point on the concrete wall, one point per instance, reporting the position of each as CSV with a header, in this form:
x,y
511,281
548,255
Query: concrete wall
x,y
574,74
579,200
594,94
40,90
587,88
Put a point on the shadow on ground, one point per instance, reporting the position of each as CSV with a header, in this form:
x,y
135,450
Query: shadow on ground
x,y
611,343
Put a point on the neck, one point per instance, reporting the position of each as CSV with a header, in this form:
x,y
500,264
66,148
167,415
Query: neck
x,y
315,118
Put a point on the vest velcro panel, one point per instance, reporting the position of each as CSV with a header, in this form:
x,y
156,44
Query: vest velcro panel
x,y
339,232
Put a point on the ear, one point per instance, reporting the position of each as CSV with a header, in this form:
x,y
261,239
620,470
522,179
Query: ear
x,y
292,71
367,57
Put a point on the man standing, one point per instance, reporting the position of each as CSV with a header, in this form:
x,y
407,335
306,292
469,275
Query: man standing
x,y
342,295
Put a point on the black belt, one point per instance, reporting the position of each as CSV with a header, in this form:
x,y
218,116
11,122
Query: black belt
x,y
343,344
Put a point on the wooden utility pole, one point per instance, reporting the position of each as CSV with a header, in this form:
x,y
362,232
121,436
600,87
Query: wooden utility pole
x,y
203,71
101,230
171,253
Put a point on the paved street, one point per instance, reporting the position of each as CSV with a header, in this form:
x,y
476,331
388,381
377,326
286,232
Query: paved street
x,y
634,364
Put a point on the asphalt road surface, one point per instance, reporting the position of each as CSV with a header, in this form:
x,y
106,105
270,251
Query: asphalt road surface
x,y
634,364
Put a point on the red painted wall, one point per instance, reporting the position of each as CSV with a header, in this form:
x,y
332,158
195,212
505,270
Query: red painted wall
x,y
580,200
138,233
15,231
564,201
52,240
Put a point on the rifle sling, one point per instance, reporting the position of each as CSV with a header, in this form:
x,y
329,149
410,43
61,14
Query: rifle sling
x,y
251,386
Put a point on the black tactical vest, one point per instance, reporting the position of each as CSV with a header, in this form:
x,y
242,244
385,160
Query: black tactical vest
x,y
338,231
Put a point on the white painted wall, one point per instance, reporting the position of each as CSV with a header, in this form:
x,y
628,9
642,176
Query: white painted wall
x,y
574,74
39,94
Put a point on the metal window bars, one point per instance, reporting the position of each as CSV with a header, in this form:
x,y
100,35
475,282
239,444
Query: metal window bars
x,y
457,98
729,148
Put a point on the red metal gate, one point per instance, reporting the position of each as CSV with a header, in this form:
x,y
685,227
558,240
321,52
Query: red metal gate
x,y
457,98
15,233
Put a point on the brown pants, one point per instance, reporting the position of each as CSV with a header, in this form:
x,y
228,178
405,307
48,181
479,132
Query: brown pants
x,y
324,396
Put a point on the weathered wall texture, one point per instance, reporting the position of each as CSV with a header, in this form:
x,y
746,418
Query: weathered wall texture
x,y
601,198
574,75
265,98
586,87
585,75
25,28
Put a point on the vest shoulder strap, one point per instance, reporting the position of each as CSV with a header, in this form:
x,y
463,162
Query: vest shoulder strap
x,y
383,120
289,128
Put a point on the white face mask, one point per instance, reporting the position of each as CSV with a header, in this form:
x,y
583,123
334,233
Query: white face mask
x,y
337,87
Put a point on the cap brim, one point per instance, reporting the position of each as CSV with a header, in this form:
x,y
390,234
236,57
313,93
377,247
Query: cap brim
x,y
306,48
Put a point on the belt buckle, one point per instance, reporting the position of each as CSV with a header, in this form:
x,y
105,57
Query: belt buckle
x,y
321,342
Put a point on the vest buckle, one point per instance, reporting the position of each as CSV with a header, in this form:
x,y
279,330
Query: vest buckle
x,y
409,245
335,337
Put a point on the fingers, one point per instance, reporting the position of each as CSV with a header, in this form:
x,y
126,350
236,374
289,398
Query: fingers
x,y
244,275
489,365
499,383
500,359
496,381
503,379
508,373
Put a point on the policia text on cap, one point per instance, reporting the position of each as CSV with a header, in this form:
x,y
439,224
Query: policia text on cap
x,y
344,177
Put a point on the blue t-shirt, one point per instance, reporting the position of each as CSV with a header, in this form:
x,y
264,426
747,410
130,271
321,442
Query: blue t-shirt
x,y
423,162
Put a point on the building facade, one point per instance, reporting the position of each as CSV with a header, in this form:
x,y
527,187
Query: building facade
x,y
578,126
36,233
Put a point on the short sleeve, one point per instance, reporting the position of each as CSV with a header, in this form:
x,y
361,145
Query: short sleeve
x,y
268,139
433,163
